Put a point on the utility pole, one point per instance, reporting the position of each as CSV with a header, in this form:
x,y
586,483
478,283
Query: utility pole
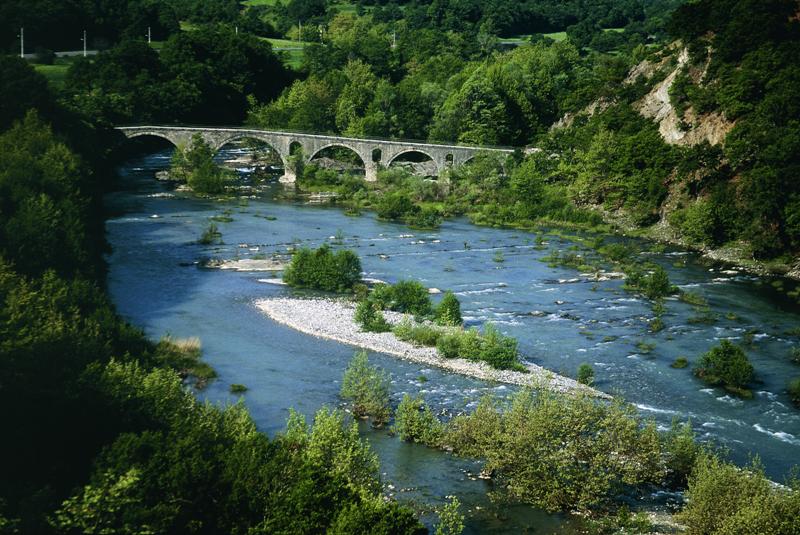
x,y
299,30
148,35
22,43
84,43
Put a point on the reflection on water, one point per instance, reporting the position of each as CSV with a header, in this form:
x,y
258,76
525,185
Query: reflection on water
x,y
561,320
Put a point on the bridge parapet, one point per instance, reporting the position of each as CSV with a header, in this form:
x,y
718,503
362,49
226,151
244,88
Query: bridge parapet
x,y
374,153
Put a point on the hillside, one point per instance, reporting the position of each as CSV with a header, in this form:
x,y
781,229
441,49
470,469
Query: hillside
x,y
724,100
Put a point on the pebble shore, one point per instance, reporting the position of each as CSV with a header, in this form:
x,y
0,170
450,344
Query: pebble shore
x,y
333,320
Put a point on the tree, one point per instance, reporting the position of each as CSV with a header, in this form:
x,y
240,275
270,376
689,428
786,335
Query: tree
x,y
22,88
322,269
585,374
369,317
451,521
723,498
726,364
553,450
449,310
195,164
367,388
414,422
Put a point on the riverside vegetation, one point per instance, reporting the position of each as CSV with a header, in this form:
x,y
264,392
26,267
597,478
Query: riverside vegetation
x,y
576,454
107,437
104,412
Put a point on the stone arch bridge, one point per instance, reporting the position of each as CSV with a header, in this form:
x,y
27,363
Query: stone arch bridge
x,y
374,153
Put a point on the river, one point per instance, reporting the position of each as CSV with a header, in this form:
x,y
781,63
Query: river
x,y
559,319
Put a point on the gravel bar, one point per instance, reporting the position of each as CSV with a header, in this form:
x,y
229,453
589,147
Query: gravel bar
x,y
333,320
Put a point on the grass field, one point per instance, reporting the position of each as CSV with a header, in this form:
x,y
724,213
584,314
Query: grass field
x,y
285,43
292,51
522,39
55,74
556,36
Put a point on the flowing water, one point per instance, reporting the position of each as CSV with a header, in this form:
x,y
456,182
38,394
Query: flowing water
x,y
560,320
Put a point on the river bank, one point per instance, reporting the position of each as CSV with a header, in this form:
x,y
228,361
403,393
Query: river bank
x,y
333,320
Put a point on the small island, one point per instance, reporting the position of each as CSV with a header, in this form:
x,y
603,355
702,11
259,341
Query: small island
x,y
333,319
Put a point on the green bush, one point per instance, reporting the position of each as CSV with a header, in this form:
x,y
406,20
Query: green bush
x,y
424,335
449,346
681,451
322,269
469,343
680,363
697,222
370,318
654,285
395,206
451,522
211,235
424,218
449,311
585,374
414,422
724,499
195,165
560,452
382,295
405,296
367,388
725,365
498,350
794,390
410,297
403,329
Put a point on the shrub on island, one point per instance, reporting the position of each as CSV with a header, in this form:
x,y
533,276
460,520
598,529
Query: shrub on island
x,y
422,335
585,374
370,318
726,365
491,347
194,164
322,269
794,390
414,422
407,296
449,311
449,346
654,285
367,388
560,452
725,498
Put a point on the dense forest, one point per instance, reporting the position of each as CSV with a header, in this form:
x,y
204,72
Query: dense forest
x,y
422,77
103,435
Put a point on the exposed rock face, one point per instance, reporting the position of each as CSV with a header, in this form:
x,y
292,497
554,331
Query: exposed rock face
x,y
656,105
598,106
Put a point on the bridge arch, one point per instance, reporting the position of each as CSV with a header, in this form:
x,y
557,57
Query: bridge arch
x,y
415,150
269,141
174,140
333,145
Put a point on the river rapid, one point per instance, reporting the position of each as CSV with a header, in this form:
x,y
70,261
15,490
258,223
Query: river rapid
x,y
560,320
